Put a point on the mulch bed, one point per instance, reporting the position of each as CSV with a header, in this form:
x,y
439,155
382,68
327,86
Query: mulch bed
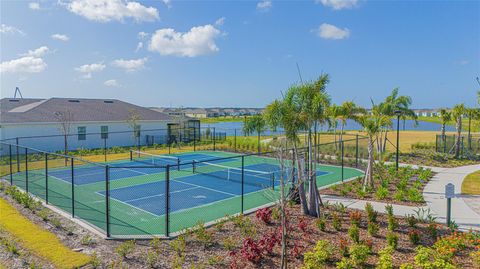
x,y
303,236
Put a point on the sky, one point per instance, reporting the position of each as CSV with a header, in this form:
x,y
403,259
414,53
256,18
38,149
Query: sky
x,y
240,53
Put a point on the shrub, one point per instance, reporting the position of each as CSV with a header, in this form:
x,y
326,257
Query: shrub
x,y
303,225
229,243
475,255
392,240
276,213
264,214
411,221
432,229
392,223
372,229
87,240
251,251
359,254
344,246
156,244
247,228
429,258
414,237
178,245
95,261
385,259
151,258
371,213
56,223
354,233
345,263
205,237
381,193
399,195
414,195
389,210
406,266
44,214
336,222
125,248
321,223
355,217
318,256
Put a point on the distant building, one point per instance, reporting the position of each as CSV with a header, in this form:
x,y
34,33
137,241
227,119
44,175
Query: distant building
x,y
426,112
91,123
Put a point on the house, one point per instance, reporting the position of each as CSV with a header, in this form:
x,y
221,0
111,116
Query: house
x,y
426,112
85,123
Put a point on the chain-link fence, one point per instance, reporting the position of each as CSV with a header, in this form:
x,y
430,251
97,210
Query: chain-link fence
x,y
469,144
138,198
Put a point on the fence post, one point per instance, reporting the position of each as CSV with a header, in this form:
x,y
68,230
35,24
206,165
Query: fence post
x,y
26,169
107,199
18,156
356,151
214,138
194,139
342,158
105,148
243,183
445,143
10,163
73,188
46,178
167,201
436,143
235,140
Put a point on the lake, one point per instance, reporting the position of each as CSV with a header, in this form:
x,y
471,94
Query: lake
x,y
230,127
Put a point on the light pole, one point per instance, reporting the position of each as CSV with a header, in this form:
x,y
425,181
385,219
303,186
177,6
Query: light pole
x,y
398,113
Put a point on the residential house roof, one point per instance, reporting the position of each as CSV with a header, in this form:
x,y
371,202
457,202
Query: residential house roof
x,y
80,109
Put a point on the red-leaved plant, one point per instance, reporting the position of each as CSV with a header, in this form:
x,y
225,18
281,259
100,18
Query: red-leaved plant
x,y
251,250
264,214
303,225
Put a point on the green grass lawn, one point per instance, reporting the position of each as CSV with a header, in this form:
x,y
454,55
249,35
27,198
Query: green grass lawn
x,y
471,184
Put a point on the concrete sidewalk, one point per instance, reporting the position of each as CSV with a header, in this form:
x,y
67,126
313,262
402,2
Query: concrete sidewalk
x,y
434,194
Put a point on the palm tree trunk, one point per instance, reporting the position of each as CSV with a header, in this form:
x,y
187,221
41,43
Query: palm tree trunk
x,y
368,179
301,183
459,138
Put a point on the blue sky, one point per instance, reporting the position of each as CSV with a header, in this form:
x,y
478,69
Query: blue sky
x,y
240,53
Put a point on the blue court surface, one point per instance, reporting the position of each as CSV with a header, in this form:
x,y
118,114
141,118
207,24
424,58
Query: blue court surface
x,y
195,190
89,173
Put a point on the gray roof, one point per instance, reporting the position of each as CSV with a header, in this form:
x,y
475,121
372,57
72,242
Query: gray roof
x,y
96,110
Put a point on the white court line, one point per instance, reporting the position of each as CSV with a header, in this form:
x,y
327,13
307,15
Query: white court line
x,y
159,195
122,202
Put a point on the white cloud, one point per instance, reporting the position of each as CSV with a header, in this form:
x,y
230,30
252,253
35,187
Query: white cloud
x,y
37,53
88,69
142,35
60,37
463,62
329,31
168,3
34,5
139,46
200,40
220,21
338,4
110,10
111,83
6,29
27,64
264,5
130,65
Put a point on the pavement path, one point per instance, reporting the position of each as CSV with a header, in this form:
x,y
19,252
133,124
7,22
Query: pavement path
x,y
465,208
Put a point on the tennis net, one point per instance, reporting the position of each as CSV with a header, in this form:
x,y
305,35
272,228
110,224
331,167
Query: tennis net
x,y
153,159
256,178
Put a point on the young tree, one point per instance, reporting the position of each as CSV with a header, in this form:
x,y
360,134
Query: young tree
x,y
471,113
348,111
65,119
457,113
445,117
255,124
133,121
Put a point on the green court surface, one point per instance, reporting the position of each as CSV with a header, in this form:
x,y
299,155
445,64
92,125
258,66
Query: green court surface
x,y
137,196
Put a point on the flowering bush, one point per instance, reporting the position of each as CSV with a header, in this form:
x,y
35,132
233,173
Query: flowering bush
x,y
265,215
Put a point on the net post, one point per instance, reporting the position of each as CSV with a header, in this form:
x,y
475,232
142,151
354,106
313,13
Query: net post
x,y
214,138
243,183
73,187
356,151
167,201
273,181
46,178
193,167
26,169
10,163
131,155
107,200
105,148
342,145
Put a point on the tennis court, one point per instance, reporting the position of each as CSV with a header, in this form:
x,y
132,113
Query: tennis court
x,y
142,203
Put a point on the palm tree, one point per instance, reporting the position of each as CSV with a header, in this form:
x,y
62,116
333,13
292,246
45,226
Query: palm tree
x,y
372,125
334,112
255,124
471,113
445,117
348,111
457,113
